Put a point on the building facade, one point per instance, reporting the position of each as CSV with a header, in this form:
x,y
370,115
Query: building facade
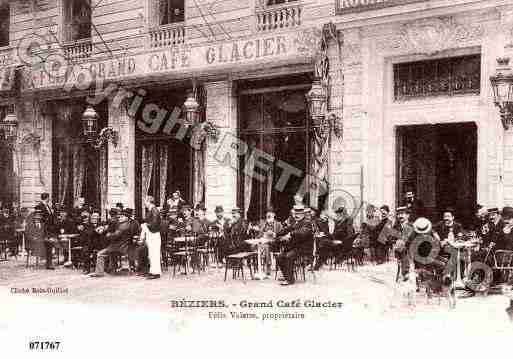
x,y
409,106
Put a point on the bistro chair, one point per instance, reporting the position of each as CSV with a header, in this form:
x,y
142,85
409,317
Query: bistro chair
x,y
504,263
235,262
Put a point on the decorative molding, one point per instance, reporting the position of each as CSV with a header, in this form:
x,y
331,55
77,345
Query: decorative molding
x,y
431,36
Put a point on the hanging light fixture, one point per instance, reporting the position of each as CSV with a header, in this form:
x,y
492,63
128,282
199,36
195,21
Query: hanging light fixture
x,y
191,109
97,138
502,86
317,102
90,123
9,127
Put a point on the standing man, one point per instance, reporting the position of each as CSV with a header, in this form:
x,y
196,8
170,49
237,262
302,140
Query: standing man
x,y
219,226
298,240
151,234
495,226
403,231
414,205
48,219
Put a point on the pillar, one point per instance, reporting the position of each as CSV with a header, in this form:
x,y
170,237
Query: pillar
x,y
221,156
121,158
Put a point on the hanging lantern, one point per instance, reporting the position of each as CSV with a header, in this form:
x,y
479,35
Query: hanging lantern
x,y
191,109
9,127
90,123
502,86
317,102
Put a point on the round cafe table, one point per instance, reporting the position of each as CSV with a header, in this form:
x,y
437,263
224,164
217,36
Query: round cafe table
x,y
259,242
459,284
68,238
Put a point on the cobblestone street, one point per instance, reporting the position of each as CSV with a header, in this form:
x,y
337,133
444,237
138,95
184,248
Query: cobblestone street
x,y
128,305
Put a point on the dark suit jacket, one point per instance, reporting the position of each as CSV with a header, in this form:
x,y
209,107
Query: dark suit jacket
x,y
48,217
301,237
443,230
121,239
237,232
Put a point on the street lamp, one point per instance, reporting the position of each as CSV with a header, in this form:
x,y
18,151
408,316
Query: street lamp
x,y
90,123
317,102
502,86
90,129
191,109
9,127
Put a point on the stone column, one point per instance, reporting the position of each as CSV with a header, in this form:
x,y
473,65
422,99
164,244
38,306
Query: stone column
x,y
121,158
34,149
221,157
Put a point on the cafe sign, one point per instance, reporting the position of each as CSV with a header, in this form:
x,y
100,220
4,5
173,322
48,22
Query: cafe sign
x,y
182,60
347,6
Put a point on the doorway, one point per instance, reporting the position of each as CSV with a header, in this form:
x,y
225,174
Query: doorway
x,y
439,164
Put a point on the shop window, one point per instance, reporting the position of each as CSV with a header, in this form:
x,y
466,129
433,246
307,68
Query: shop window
x,y
77,20
170,11
4,25
440,77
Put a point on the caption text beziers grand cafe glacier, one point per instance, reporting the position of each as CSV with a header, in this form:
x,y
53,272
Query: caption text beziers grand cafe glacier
x,y
409,83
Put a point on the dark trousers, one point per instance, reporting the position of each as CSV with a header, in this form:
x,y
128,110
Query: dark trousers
x,y
143,264
285,262
48,253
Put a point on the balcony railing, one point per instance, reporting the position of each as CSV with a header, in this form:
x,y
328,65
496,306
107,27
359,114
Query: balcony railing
x,y
167,35
78,50
279,16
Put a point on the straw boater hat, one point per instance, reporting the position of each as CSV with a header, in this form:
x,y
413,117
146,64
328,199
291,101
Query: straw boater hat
x,y
493,210
298,209
402,209
422,225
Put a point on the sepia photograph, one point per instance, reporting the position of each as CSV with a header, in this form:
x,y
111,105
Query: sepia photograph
x,y
248,178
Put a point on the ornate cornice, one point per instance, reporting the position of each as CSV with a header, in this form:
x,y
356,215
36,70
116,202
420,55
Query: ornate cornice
x,y
431,36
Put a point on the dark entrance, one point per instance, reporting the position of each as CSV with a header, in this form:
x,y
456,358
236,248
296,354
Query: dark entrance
x,y
273,120
439,163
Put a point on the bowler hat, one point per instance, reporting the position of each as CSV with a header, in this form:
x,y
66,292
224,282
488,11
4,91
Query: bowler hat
x,y
422,225
507,212
219,209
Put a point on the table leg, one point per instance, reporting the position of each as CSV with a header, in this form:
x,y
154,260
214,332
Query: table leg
x,y
260,274
69,263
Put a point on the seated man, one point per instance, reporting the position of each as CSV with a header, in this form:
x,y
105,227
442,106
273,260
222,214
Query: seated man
x,y
341,241
270,227
298,239
120,241
92,238
237,233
